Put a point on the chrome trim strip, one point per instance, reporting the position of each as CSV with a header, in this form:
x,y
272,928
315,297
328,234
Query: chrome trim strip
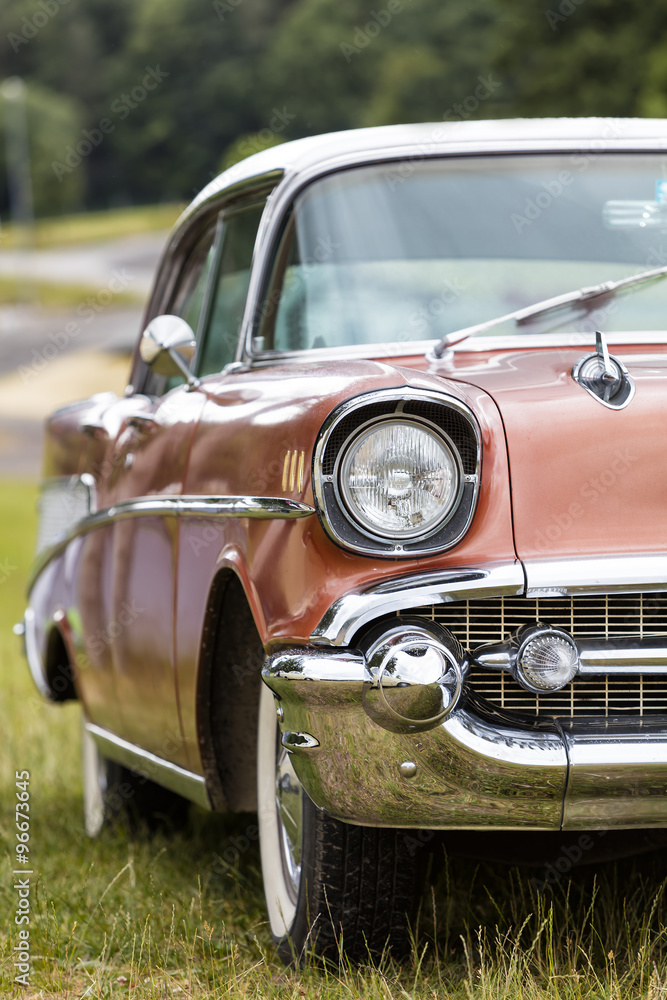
x,y
596,575
177,779
617,775
625,655
174,506
347,615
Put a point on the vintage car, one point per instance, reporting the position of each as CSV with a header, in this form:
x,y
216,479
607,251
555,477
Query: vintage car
x,y
375,542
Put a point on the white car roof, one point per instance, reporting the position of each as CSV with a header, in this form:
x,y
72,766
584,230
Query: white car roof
x,y
432,138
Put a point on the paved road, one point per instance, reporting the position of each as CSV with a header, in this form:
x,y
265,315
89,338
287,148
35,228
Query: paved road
x,y
30,336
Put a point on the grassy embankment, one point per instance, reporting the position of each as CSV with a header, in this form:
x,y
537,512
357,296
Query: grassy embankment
x,y
91,227
170,917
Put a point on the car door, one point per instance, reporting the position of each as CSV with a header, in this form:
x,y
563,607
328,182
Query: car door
x,y
216,441
137,562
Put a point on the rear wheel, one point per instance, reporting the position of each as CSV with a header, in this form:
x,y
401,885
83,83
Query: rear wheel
x,y
114,795
330,887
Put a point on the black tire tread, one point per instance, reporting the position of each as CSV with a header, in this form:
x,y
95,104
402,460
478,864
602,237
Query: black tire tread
x,y
362,891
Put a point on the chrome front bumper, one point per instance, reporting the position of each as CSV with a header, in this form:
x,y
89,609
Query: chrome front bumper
x,y
473,771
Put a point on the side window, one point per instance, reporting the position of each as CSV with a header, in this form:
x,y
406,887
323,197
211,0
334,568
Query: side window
x,y
188,299
239,232
189,295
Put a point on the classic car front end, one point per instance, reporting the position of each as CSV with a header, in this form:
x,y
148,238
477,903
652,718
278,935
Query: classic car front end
x,y
392,443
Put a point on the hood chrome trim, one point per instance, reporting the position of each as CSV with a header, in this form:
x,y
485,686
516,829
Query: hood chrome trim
x,y
624,574
350,612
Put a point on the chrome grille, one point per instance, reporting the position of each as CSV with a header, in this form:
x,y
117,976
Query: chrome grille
x,y
638,695
61,504
604,616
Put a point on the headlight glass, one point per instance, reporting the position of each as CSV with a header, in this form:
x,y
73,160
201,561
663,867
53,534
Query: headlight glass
x,y
400,479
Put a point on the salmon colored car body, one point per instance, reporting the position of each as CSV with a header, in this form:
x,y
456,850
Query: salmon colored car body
x,y
391,442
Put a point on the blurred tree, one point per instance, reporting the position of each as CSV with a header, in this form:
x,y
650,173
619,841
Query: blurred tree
x,y
54,121
340,65
210,56
246,145
177,82
583,57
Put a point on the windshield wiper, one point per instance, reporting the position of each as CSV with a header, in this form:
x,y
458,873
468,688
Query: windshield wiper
x,y
528,313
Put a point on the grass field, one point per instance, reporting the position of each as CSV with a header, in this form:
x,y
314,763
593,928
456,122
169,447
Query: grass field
x,y
90,227
55,296
170,917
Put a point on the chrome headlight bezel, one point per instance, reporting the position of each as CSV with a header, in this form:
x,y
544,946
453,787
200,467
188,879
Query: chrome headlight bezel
x,y
438,413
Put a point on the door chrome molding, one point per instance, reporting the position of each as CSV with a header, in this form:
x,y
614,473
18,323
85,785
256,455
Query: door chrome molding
x,y
193,506
347,615
176,779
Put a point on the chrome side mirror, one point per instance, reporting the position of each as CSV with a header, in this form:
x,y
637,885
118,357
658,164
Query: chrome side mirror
x,y
168,347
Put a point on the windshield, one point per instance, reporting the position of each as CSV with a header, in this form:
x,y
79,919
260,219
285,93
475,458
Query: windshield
x,y
415,251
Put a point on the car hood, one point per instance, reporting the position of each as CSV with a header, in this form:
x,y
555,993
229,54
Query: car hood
x,y
586,480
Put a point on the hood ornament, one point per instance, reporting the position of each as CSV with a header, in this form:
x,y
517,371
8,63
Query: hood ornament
x,y
604,377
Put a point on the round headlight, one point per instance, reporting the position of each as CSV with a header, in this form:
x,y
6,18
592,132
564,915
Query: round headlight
x,y
398,478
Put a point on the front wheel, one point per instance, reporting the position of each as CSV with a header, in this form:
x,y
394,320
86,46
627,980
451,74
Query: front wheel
x,y
331,888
